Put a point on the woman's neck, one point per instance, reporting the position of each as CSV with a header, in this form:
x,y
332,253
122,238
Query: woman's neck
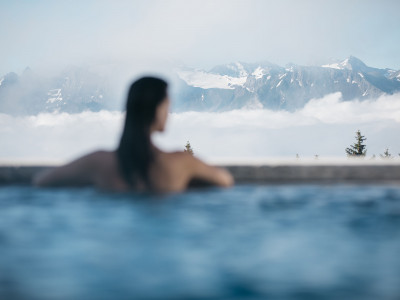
x,y
154,149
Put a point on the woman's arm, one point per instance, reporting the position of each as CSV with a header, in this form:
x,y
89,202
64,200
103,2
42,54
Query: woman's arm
x,y
76,173
214,175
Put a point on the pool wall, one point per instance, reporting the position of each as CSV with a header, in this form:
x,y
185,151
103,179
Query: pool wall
x,y
263,174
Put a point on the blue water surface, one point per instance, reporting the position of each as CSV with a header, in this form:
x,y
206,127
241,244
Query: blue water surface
x,y
248,242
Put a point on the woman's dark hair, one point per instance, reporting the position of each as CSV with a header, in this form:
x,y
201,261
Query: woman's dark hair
x,y
134,152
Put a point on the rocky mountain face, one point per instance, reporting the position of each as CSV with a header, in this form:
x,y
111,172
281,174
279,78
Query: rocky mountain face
x,y
265,85
224,87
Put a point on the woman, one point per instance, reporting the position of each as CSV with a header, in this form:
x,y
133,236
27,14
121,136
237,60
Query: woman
x,y
137,164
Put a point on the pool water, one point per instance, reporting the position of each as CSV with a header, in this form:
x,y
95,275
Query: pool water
x,y
248,242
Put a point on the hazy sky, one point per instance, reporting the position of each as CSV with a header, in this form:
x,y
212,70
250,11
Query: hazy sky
x,y
198,33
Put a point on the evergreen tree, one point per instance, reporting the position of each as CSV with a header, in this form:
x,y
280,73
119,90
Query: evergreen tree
x,y
386,154
358,148
188,148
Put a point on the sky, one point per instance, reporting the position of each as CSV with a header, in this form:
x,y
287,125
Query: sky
x,y
52,34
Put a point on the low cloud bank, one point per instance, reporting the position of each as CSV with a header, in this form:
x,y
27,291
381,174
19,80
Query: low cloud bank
x,y
57,137
324,126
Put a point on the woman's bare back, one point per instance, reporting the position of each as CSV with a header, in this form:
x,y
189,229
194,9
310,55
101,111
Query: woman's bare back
x,y
169,172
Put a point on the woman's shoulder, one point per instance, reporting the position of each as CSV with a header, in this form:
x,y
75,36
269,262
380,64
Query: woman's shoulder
x,y
81,171
195,168
180,156
98,159
99,155
178,160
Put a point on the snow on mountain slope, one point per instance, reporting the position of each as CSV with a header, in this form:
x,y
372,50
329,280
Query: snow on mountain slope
x,y
1,80
204,80
333,66
339,66
259,73
229,76
241,85
54,95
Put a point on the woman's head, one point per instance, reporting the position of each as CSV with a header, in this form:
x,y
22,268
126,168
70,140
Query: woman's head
x,y
148,103
146,112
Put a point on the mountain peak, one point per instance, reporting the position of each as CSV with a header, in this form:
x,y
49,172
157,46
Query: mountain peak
x,y
350,63
27,73
355,63
9,79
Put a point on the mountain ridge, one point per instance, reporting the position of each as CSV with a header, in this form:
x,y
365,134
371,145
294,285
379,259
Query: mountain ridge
x,y
224,87
275,87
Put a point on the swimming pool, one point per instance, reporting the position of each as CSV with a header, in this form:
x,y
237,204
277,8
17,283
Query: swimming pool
x,y
248,242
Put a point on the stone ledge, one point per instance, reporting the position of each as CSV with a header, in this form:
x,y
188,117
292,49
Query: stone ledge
x,y
263,174
316,173
18,175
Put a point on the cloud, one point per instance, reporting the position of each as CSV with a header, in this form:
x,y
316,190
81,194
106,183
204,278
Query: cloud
x,y
332,110
57,137
324,126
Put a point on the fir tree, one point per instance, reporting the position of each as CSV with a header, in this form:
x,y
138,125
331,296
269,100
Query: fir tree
x,y
358,148
188,148
386,154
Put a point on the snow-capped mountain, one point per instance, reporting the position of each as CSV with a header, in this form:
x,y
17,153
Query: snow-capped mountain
x,y
73,90
224,87
265,85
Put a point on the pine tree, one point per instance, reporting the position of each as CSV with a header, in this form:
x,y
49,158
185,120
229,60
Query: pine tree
x,y
386,154
188,148
358,148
